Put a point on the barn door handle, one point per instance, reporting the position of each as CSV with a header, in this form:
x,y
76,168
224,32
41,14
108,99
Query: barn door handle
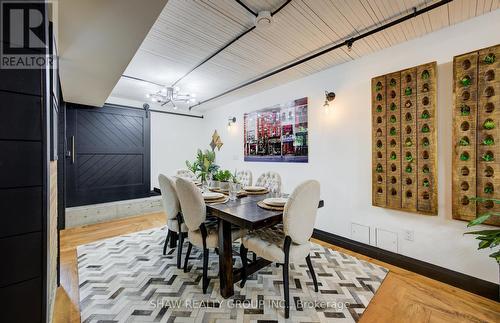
x,y
72,149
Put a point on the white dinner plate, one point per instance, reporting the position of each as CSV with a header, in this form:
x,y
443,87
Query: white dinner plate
x,y
254,188
212,195
276,201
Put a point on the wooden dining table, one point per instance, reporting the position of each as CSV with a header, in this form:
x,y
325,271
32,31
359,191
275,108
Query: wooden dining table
x,y
244,213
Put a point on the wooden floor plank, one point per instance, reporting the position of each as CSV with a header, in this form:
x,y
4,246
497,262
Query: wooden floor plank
x,y
403,296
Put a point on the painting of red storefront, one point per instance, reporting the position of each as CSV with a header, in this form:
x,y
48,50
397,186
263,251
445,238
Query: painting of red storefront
x,y
277,133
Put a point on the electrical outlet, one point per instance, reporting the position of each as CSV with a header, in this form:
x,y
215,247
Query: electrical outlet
x,y
408,235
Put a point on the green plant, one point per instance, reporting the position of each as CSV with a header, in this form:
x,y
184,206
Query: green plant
x,y
488,141
204,164
425,74
379,97
487,238
466,81
464,110
392,132
379,169
392,119
234,177
488,156
464,157
425,128
425,170
425,142
425,115
222,176
393,106
409,158
408,169
379,109
488,189
392,83
408,142
393,156
489,124
408,91
464,142
425,183
489,59
378,86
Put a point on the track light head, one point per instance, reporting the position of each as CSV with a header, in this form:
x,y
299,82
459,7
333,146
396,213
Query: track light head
x,y
349,44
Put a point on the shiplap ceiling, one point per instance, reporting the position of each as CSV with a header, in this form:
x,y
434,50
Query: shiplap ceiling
x,y
188,31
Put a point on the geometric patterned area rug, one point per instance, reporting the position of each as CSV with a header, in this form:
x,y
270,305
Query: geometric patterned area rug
x,y
128,279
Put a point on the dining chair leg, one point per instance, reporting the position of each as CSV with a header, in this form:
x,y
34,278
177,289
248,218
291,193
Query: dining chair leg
x,y
204,234
205,270
313,274
166,242
286,249
188,252
244,263
179,249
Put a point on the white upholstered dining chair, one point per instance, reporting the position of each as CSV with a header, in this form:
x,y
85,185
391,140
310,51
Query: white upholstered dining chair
x,y
269,179
172,209
201,233
186,173
244,177
290,242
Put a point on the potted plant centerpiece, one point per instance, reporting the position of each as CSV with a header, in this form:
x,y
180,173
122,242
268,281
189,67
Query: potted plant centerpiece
x,y
221,179
204,165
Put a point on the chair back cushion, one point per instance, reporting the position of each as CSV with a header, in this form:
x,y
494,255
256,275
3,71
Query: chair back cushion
x,y
186,173
269,178
169,196
192,203
299,214
244,177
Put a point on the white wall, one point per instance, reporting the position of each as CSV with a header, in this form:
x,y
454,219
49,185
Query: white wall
x,y
174,139
340,145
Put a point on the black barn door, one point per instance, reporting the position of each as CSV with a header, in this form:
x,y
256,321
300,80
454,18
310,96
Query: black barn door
x,y
108,157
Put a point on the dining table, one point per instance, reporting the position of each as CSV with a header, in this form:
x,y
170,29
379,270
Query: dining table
x,y
244,213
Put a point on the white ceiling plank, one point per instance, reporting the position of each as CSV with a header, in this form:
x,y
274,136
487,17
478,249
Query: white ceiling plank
x,y
188,31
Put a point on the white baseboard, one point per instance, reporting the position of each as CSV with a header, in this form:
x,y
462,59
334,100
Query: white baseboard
x,y
97,213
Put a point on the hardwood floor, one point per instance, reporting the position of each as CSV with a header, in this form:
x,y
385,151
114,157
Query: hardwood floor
x,y
403,297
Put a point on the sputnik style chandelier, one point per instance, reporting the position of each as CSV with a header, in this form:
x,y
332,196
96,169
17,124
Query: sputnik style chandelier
x,y
171,95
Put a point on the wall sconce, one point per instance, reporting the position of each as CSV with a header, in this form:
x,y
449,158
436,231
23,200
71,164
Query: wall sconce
x,y
230,122
329,97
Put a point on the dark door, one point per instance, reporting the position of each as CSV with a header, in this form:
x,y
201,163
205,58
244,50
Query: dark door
x,y
108,154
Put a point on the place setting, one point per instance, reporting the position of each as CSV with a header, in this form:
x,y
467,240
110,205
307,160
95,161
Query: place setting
x,y
273,203
214,198
255,190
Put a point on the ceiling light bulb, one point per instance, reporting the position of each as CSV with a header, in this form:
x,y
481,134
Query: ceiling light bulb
x,y
148,95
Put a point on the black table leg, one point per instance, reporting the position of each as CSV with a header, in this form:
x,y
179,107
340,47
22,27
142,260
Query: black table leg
x,y
225,259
